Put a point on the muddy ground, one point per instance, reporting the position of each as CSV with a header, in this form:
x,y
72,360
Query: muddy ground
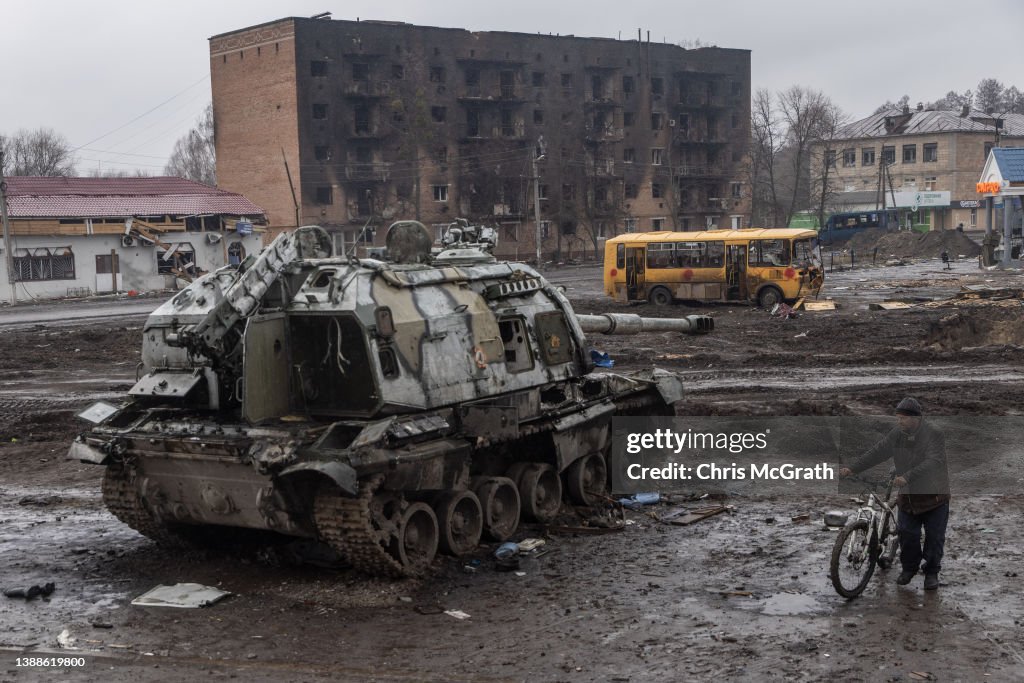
x,y
736,597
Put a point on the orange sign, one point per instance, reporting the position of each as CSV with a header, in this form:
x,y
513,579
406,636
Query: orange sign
x,y
988,188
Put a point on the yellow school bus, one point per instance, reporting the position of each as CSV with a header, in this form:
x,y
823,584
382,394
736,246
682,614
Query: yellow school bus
x,y
763,265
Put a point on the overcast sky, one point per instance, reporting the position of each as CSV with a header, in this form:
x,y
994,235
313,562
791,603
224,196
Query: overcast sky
x,y
101,72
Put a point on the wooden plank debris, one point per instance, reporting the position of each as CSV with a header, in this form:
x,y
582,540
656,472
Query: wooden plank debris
x,y
827,305
685,517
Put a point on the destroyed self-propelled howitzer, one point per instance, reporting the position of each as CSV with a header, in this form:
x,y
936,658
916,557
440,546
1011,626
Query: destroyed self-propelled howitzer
x,y
388,408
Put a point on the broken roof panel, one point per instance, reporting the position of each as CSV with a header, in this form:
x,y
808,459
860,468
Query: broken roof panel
x,y
929,121
37,197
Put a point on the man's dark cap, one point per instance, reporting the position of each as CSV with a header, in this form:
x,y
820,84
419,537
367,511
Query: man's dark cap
x,y
909,406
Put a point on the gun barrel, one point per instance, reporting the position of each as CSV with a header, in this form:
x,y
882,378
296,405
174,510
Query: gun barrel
x,y
630,323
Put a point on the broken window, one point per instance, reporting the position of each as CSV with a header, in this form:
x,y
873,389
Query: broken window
x,y
42,263
438,114
180,258
629,225
627,85
437,74
931,151
472,123
508,84
441,155
657,120
325,195
867,156
768,253
508,128
657,224
657,190
630,190
567,81
656,156
398,71
360,72
657,86
568,191
849,157
538,79
538,116
830,158
319,111
236,253
629,155
510,232
628,119
736,190
322,153
317,69
910,154
364,154
361,114
889,154
440,193
472,77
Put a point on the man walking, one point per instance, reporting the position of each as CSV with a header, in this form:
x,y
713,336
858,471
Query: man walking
x,y
918,451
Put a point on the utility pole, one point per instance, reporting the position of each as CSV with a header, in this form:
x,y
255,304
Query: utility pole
x,y
8,251
538,155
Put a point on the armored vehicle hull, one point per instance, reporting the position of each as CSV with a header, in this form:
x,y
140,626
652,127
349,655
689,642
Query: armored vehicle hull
x,y
389,409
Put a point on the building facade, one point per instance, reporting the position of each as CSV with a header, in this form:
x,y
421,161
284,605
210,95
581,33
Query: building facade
x,y
81,236
926,163
354,124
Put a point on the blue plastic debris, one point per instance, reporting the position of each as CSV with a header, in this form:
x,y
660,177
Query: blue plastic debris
x,y
506,551
638,500
601,360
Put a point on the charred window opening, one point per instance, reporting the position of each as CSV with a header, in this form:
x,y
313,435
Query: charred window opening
x,y
553,396
330,368
517,345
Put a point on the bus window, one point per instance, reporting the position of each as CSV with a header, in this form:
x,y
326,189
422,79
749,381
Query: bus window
x,y
690,254
768,253
620,255
805,253
714,255
661,255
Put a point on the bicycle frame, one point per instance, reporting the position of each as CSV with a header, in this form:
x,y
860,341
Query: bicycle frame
x,y
878,513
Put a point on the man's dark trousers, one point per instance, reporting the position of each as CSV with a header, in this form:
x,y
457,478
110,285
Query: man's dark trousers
x,y
910,525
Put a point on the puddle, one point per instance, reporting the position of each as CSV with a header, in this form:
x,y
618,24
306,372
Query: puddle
x,y
784,604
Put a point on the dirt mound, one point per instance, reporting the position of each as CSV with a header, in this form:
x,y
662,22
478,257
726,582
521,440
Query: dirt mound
x,y
906,244
976,328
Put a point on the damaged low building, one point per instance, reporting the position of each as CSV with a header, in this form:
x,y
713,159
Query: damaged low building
x,y
82,236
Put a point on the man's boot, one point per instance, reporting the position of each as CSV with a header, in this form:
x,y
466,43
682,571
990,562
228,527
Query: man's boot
x,y
931,582
905,577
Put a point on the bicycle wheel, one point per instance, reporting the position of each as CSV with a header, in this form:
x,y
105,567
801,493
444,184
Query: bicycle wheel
x,y
853,559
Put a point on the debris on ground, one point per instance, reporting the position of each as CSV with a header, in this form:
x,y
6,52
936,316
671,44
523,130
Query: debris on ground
x,y
31,592
784,311
601,360
686,516
827,305
457,613
185,595
65,641
888,305
983,296
638,500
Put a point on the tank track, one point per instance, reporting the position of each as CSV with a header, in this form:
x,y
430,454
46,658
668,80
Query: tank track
x,y
122,499
345,524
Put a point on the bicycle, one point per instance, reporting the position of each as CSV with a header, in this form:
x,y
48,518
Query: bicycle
x,y
869,539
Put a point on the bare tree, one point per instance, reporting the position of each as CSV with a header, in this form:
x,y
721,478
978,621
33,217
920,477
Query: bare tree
x,y
805,113
953,101
766,144
989,95
41,152
1013,101
118,173
889,104
194,156
830,118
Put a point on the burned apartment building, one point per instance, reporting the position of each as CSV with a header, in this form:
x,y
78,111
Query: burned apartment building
x,y
354,124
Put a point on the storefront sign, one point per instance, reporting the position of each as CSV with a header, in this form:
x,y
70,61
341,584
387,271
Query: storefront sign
x,y
243,228
966,204
989,188
915,200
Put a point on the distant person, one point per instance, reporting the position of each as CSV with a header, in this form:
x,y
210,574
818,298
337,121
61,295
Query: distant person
x,y
918,451
960,227
945,259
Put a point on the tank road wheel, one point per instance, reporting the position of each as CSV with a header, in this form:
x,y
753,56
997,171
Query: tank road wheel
x,y
122,498
515,471
460,520
379,533
540,490
587,479
416,543
499,499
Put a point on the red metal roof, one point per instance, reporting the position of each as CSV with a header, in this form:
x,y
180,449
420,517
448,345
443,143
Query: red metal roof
x,y
36,197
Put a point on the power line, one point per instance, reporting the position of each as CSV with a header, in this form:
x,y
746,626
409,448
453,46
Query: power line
x,y
148,111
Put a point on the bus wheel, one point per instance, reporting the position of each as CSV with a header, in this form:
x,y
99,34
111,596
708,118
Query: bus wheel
x,y
769,297
661,296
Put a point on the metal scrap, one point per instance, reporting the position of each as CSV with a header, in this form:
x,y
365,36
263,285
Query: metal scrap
x,y
686,516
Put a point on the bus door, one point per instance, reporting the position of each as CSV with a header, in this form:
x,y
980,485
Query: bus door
x,y
636,259
736,271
